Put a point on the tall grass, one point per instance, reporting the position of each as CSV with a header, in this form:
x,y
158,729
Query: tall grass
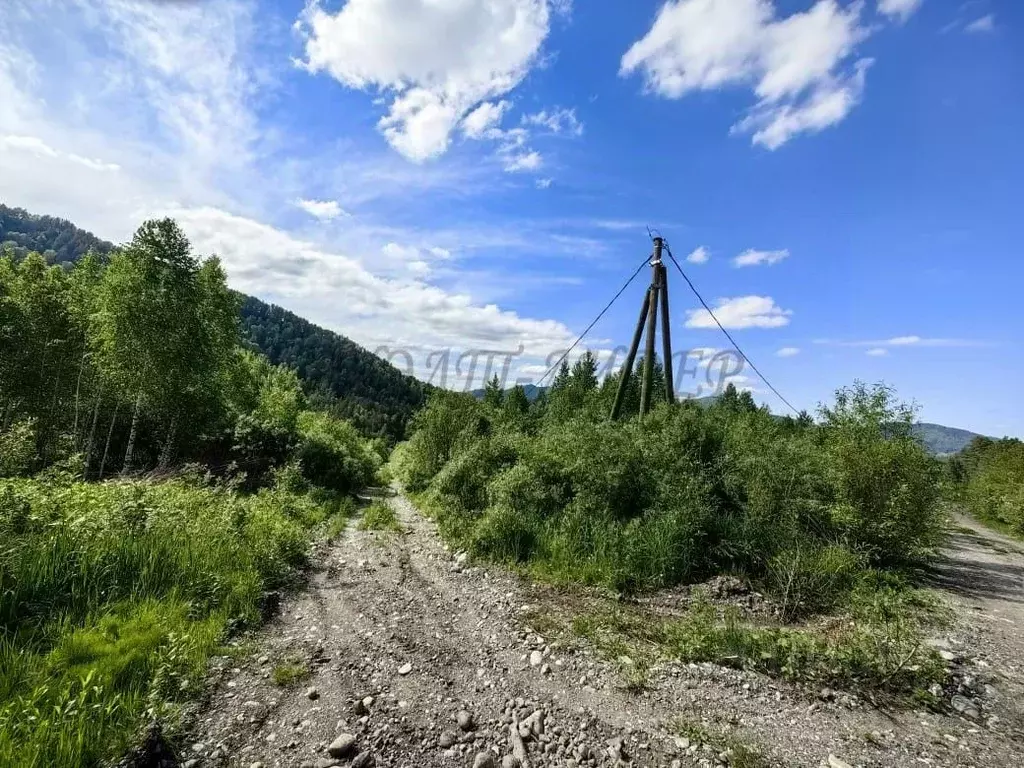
x,y
112,597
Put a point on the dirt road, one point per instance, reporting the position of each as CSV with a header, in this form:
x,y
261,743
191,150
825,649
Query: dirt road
x,y
418,659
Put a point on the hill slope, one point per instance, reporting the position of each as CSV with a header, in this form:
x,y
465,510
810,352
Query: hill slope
x,y
337,373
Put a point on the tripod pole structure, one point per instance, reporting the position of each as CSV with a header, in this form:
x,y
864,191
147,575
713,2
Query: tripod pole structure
x,y
666,339
627,368
652,329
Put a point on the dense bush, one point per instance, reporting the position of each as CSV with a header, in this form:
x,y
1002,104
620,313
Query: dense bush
x,y
333,455
683,493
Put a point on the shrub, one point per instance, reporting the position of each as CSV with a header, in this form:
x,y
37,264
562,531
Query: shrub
x,y
17,449
333,455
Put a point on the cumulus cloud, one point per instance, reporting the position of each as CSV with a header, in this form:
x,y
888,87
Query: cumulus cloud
x,y
788,352
741,312
337,291
488,115
699,255
325,210
754,258
898,9
800,67
436,62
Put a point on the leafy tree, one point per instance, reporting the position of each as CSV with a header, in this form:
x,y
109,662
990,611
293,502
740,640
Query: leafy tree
x,y
493,394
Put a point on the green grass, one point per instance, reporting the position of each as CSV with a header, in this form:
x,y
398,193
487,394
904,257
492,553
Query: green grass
x,y
379,516
741,754
113,596
876,648
290,673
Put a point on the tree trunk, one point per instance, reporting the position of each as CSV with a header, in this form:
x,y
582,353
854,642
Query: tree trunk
x,y
167,453
78,390
110,434
91,444
126,467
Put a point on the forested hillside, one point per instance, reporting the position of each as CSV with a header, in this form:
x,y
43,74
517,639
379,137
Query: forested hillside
x,y
337,373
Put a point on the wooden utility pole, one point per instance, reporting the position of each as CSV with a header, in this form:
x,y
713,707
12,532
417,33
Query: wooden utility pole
x,y
657,295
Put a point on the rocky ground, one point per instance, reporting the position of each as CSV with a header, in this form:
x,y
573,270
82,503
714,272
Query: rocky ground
x,y
415,657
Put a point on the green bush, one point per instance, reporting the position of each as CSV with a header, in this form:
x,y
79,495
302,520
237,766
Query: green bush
x,y
17,449
333,455
681,494
993,489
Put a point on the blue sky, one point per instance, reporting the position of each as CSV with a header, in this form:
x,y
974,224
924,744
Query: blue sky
x,y
474,174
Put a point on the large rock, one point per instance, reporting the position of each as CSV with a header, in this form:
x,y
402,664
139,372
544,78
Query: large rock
x,y
484,760
363,760
342,746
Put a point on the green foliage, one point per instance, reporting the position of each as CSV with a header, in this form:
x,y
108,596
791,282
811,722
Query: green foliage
x,y
379,516
684,493
113,596
333,455
17,448
289,673
988,476
876,646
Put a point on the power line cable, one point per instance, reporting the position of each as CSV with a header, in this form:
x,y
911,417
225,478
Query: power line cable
x,y
632,277
727,334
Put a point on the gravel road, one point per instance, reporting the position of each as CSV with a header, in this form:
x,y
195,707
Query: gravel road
x,y
419,658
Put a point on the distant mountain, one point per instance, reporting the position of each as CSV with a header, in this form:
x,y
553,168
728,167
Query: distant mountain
x,y
941,440
337,373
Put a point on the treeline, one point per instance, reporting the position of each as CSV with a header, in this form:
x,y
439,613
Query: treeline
x,y
805,507
336,373
135,361
988,478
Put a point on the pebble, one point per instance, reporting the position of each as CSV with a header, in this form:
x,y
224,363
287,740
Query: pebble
x,y
405,669
835,762
536,658
964,706
509,761
465,720
312,693
362,760
446,740
484,760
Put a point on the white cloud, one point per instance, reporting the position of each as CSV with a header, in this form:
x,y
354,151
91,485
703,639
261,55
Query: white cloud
x,y
799,67
878,352
984,24
699,255
906,341
543,183
788,352
337,291
488,115
741,312
556,121
325,210
523,161
898,9
438,60
33,145
753,258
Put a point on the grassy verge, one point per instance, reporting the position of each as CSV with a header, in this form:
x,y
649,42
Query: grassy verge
x,y
875,647
113,596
